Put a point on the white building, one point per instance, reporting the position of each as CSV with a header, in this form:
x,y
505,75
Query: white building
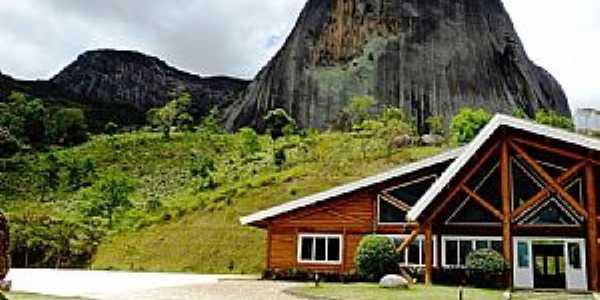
x,y
587,120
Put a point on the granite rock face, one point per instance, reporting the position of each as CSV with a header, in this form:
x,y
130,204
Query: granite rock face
x,y
107,77
429,57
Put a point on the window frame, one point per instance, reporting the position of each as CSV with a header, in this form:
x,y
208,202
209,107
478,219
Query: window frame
x,y
314,237
458,240
421,239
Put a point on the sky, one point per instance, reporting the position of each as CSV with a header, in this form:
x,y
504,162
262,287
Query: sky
x,y
238,37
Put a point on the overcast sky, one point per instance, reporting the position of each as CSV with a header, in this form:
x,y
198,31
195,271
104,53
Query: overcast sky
x,y
237,37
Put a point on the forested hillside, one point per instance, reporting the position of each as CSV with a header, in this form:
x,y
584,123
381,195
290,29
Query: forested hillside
x,y
170,201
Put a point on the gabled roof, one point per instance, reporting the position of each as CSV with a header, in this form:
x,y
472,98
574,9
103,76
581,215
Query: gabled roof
x,y
348,188
485,134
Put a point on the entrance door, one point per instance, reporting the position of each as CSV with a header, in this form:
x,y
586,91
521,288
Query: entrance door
x,y
549,266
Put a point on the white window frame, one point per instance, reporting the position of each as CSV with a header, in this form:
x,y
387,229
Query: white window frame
x,y
458,239
421,240
314,236
386,193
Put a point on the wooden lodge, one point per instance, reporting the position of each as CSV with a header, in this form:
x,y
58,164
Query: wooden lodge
x,y
525,190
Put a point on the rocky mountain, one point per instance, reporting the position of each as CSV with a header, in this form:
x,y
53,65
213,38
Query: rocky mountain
x,y
429,57
128,78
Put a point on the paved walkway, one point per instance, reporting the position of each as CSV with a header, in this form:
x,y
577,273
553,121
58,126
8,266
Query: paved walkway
x,y
133,286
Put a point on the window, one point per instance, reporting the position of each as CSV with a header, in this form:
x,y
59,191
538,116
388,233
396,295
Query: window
x,y
414,255
523,254
390,214
574,256
457,249
320,248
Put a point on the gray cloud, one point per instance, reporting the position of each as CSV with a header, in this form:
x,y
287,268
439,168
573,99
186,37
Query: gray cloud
x,y
237,37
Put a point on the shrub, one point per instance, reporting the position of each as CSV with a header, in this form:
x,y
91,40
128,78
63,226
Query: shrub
x,y
436,124
554,119
485,266
520,113
250,143
467,124
376,257
276,121
111,128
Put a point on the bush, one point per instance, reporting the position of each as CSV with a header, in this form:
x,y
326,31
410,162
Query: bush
x,y
436,124
554,119
278,122
376,257
467,124
485,266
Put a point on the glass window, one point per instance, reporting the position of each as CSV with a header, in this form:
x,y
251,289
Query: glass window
x,y
481,245
523,254
466,247
574,255
414,253
333,249
307,248
320,249
389,213
451,253
497,246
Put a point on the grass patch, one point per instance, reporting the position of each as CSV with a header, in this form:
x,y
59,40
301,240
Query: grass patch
x,y
25,296
370,291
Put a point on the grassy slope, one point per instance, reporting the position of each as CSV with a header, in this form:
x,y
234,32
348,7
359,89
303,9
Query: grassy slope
x,y
199,231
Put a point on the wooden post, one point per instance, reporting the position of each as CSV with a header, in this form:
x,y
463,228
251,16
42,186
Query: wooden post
x,y
592,226
506,208
343,245
428,254
269,238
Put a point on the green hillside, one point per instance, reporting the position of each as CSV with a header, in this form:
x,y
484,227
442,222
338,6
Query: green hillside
x,y
186,195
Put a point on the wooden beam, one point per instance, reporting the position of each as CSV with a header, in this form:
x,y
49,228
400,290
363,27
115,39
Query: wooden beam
x,y
549,180
396,203
550,149
545,192
411,238
592,225
483,203
269,245
468,176
506,207
428,254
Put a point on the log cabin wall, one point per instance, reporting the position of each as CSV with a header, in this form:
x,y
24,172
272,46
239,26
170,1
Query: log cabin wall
x,y
353,216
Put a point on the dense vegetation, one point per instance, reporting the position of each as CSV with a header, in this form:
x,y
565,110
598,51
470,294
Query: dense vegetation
x,y
171,201
169,196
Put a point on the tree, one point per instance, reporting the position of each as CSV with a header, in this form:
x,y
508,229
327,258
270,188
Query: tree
x,y
48,175
276,122
9,145
68,127
250,144
359,108
175,114
554,119
520,113
467,124
436,124
111,193
210,123
24,117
